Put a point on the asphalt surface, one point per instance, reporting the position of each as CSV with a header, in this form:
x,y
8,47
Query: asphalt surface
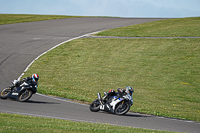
x,y
21,43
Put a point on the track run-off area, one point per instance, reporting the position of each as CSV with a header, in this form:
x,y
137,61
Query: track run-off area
x,y
22,43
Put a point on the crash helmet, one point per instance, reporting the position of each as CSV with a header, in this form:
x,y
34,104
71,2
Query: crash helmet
x,y
111,90
129,90
35,77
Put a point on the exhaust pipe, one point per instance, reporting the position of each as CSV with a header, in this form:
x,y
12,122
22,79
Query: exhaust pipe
x,y
99,97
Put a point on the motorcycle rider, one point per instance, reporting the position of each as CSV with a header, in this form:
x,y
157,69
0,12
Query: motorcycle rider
x,y
28,82
32,81
129,90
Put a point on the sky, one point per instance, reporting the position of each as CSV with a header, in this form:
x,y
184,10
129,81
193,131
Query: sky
x,y
113,8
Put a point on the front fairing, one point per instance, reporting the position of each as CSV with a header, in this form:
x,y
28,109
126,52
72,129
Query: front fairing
x,y
32,86
129,98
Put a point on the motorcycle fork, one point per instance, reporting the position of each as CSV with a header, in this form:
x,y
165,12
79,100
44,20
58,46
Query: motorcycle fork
x,y
121,105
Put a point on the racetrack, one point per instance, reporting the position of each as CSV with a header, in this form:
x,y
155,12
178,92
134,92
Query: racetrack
x,y
21,43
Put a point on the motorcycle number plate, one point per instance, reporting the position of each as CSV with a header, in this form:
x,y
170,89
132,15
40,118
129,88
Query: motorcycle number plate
x,y
102,107
15,94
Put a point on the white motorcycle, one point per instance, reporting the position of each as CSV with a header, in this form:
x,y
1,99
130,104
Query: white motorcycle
x,y
117,105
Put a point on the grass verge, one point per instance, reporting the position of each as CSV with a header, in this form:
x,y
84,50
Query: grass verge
x,y
13,123
178,27
164,73
20,18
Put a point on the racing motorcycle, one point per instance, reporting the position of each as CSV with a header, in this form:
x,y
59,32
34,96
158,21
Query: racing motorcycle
x,y
115,104
19,90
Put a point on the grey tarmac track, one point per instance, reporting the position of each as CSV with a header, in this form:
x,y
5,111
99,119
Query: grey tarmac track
x,y
21,43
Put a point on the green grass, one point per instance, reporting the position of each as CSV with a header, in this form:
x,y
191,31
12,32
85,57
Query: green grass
x,y
19,18
164,73
13,123
179,27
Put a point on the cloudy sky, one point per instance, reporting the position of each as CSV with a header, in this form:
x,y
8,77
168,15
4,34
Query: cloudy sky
x,y
115,8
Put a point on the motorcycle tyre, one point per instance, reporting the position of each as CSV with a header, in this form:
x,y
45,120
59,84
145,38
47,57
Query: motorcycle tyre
x,y
30,93
94,109
2,96
123,112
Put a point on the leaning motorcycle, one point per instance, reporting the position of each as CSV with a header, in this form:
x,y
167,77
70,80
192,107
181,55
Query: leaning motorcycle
x,y
19,90
117,105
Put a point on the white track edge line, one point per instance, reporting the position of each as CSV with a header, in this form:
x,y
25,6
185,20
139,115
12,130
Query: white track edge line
x,y
53,48
50,50
63,100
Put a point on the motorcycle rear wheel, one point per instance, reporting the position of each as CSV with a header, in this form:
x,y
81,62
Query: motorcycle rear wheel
x,y
122,108
95,106
25,95
5,92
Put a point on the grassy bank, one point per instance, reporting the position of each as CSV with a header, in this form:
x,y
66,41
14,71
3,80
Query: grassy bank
x,y
164,73
12,123
178,27
20,18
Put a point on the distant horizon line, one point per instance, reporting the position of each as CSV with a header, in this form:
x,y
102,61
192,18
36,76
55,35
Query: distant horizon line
x,y
94,16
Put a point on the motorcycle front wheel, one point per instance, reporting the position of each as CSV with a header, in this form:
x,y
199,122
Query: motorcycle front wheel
x,y
5,92
25,95
122,108
95,106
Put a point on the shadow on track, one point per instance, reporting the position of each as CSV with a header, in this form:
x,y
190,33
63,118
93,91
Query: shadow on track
x,y
40,102
126,115
136,115
31,101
